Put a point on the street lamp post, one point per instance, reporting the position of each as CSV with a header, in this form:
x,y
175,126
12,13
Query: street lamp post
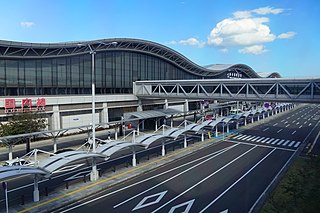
x,y
94,173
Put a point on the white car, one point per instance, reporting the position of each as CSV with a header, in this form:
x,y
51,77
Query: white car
x,y
18,162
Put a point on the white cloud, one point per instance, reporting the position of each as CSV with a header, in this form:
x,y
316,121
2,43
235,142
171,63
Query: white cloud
x,y
268,10
192,42
255,49
241,32
224,50
286,35
27,24
171,42
189,42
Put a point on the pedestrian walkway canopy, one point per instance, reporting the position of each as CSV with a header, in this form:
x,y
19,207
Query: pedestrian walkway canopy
x,y
147,139
13,171
59,160
151,114
107,150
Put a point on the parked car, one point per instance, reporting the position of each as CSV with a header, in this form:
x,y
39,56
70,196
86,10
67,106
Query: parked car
x,y
18,162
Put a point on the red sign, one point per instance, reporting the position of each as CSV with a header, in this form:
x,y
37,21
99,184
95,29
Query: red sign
x,y
9,103
41,102
26,105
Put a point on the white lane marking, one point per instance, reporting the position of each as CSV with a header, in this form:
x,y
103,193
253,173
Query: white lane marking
x,y
157,175
155,186
265,140
297,144
188,205
292,142
300,127
237,181
293,132
275,124
305,122
204,179
283,120
287,125
265,129
286,122
143,203
279,130
297,123
310,124
275,141
280,142
260,139
270,140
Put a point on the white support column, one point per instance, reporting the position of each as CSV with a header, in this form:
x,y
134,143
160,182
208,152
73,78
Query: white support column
x,y
216,131
263,116
237,125
227,128
252,119
138,129
156,125
185,141
94,174
245,121
258,117
166,104
202,136
186,106
36,196
55,146
134,160
116,133
171,122
105,115
163,150
10,152
139,108
55,121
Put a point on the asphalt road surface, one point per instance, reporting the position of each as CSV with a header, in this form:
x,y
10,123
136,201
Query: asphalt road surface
x,y
229,177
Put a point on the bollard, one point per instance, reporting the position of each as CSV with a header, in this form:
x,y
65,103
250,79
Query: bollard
x,y
114,168
67,185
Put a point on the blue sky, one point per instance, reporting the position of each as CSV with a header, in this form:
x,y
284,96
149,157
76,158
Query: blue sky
x,y
269,36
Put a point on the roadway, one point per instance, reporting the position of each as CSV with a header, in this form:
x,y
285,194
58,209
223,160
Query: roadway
x,y
229,177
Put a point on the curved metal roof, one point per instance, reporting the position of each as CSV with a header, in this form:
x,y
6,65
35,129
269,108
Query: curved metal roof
x,y
147,139
57,161
109,149
12,49
13,171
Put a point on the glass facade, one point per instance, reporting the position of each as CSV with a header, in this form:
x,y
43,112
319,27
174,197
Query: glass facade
x,y
115,71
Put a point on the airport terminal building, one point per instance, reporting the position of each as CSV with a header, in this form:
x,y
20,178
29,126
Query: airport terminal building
x,y
56,77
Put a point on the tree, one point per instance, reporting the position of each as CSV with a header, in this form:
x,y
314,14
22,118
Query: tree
x,y
26,122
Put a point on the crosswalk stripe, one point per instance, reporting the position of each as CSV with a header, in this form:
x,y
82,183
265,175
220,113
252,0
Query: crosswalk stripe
x,y
261,139
270,140
285,143
242,136
280,142
265,140
237,136
275,141
292,142
256,138
297,144
245,138
249,138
